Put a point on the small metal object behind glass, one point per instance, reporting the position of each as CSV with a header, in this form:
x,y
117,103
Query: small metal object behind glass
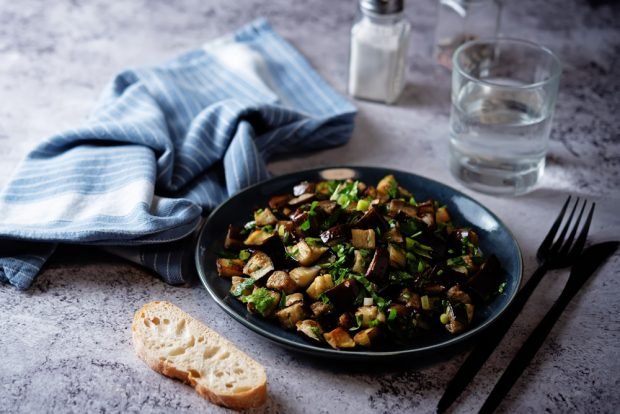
x,y
459,21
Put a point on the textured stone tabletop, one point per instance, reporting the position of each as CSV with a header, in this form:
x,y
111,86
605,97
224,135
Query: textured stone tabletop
x,y
65,344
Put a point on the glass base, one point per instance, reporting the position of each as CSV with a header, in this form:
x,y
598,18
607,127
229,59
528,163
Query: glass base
x,y
497,178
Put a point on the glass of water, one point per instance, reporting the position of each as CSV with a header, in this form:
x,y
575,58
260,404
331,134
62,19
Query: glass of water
x,y
503,97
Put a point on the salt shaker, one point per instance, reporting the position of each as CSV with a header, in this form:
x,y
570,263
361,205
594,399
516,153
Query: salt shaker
x,y
459,21
379,42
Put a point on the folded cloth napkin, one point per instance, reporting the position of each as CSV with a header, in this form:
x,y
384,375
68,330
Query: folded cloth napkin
x,y
164,144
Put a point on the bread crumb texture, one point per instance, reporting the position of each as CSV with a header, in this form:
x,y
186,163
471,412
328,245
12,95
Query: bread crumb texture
x,y
176,345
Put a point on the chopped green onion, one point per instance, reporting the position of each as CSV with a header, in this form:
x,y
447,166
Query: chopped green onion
x,y
316,331
421,266
345,193
426,304
393,190
392,314
261,298
324,298
244,254
455,261
409,243
242,286
362,205
313,241
305,226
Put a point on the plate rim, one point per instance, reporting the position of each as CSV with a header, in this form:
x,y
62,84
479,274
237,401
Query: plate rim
x,y
344,354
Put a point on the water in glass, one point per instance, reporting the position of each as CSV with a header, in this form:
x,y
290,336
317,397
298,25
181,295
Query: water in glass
x,y
499,136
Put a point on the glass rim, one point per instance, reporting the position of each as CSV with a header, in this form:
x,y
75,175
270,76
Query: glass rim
x,y
554,73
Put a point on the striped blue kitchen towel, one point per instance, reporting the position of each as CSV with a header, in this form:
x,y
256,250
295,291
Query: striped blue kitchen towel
x,y
164,144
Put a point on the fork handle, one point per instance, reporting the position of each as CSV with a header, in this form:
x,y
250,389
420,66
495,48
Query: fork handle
x,y
524,356
489,340
586,265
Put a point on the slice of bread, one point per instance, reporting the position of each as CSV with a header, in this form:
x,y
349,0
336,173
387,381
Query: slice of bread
x,y
174,344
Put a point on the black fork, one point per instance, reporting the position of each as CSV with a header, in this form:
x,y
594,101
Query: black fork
x,y
553,253
563,252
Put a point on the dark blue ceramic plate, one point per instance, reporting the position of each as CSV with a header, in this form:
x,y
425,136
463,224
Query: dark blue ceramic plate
x,y
494,238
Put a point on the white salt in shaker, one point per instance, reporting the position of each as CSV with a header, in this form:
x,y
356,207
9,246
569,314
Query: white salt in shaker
x,y
379,41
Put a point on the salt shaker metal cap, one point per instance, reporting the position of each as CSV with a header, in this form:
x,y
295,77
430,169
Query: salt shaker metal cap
x,y
382,6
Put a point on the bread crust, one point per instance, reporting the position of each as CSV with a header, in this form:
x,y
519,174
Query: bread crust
x,y
251,398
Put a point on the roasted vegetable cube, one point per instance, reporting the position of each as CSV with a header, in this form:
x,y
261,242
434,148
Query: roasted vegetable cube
x,y
442,216
258,238
290,315
285,230
409,299
265,218
240,286
302,199
339,339
388,186
363,239
367,337
486,281
311,329
359,262
397,256
426,213
328,207
320,308
262,301
398,207
234,239
278,201
456,294
319,285
304,187
258,265
304,253
466,236
369,316
294,298
458,318
280,280
336,234
344,294
346,320
372,219
303,276
229,267
394,236
377,270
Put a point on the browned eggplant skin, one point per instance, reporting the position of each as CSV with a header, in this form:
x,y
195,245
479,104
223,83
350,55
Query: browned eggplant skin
x,y
377,270
372,219
343,295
